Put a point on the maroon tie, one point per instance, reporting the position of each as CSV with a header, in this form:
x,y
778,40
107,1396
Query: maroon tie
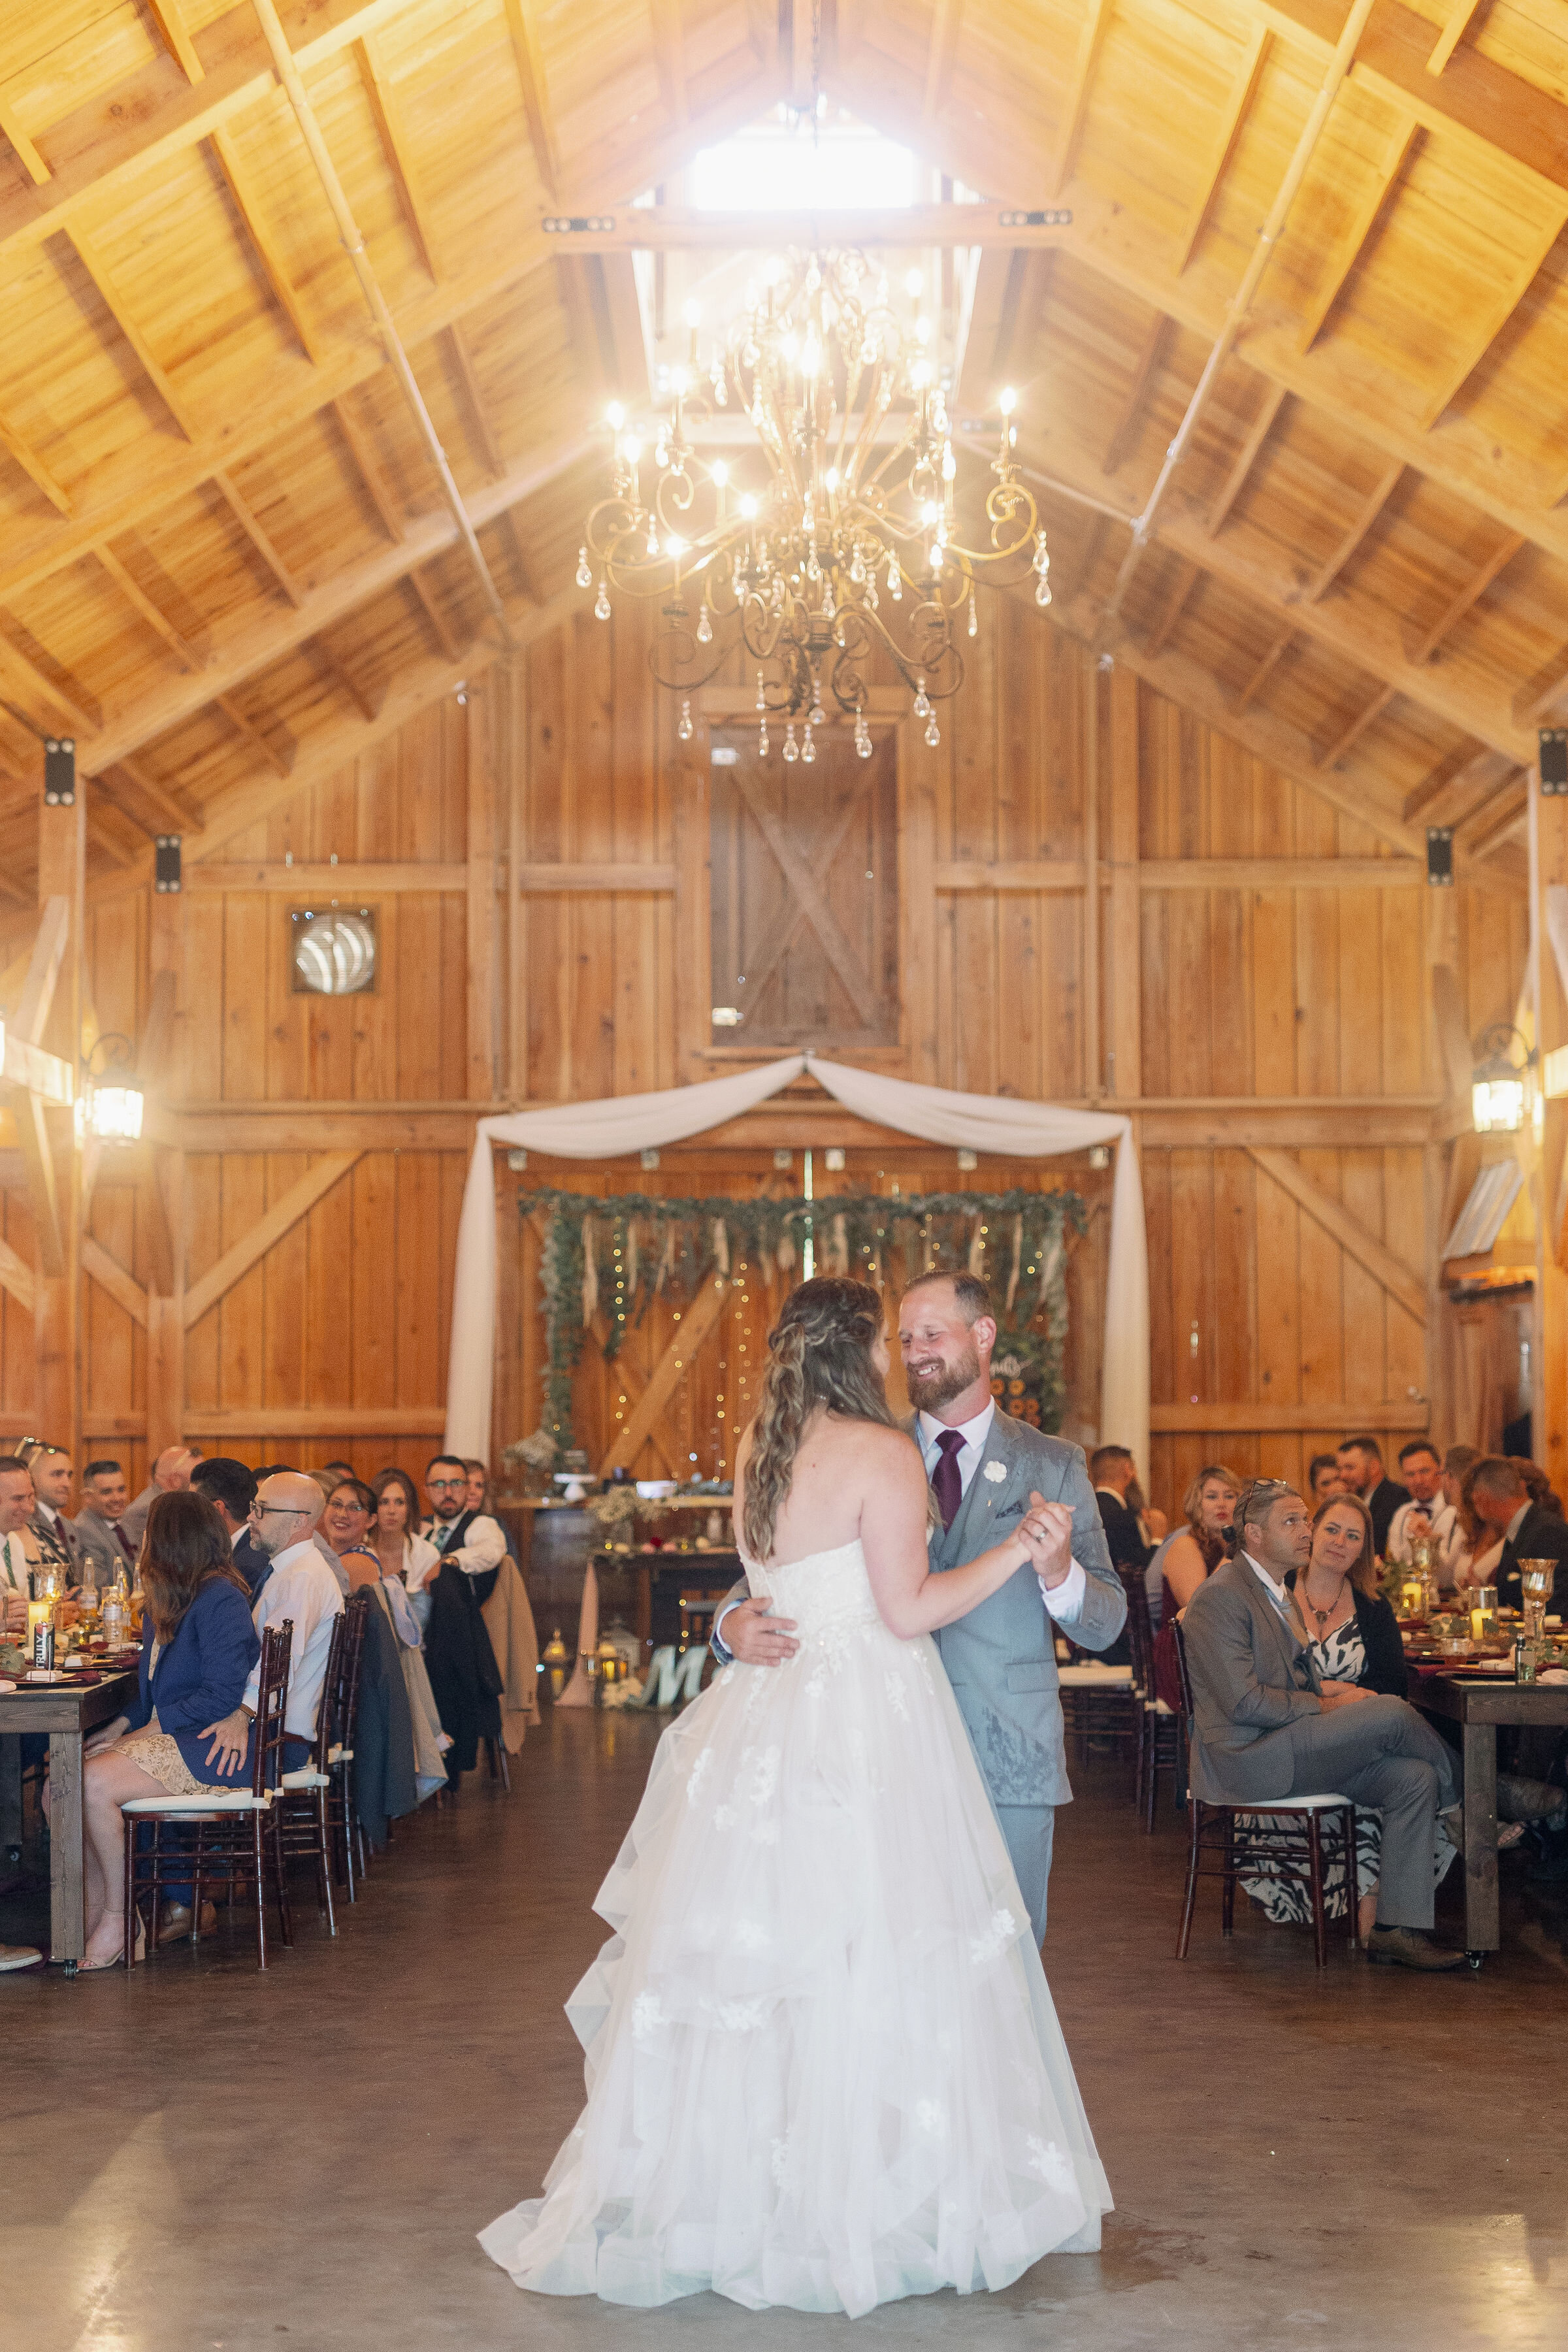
x,y
945,1483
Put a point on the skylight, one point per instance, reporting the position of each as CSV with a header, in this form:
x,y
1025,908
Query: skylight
x,y
776,165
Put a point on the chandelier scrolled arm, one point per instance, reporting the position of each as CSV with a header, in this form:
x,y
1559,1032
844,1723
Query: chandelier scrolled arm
x,y
839,552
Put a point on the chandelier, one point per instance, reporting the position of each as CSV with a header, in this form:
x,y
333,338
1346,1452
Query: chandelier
x,y
841,540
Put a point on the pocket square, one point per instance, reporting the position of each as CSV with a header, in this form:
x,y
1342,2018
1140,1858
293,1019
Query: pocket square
x,y
1012,1511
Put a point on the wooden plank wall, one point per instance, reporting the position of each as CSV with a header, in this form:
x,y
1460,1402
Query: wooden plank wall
x,y
511,982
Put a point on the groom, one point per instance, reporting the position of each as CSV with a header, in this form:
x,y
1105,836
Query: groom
x,y
985,1471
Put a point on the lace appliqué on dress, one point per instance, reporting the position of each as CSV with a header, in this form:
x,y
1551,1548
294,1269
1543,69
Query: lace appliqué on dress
x,y
997,1936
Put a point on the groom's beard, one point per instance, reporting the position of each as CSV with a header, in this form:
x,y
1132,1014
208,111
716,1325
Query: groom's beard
x,y
930,1389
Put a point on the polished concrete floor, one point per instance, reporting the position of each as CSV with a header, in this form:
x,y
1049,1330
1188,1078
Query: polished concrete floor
x,y
200,2159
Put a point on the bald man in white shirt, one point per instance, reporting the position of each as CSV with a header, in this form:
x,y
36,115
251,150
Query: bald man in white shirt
x,y
302,1588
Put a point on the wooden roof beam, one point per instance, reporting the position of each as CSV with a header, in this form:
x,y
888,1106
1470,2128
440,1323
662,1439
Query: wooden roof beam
x,y
174,809
1459,15
1475,588
526,578
1371,510
342,677
91,258
399,155
1274,400
156,619
1366,213
254,735
33,466
1465,765
1091,41
1264,669
273,634
1217,161
264,244
1356,727
1541,693
1511,810
669,56
490,452
946,17
1176,605
1126,423
82,715
27,154
251,525
1511,287
369,472
170,18
535,95
434,614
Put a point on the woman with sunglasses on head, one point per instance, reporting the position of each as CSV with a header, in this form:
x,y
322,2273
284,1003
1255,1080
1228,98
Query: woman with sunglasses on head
x,y
1353,1638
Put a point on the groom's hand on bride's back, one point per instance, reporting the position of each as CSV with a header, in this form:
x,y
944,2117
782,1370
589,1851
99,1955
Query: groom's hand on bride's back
x,y
751,1633
1047,1531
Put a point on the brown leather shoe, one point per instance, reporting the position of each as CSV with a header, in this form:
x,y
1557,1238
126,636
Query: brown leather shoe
x,y
1409,1947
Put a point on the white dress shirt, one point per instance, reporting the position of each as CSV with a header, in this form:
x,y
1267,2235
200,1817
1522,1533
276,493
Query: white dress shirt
x,y
301,1586
1453,1550
483,1546
420,1562
1065,1600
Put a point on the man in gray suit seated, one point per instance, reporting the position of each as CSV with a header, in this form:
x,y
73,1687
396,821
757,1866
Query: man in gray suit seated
x,y
1265,1726
986,1470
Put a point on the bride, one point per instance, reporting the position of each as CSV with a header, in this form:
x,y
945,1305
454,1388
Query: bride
x,y
824,2068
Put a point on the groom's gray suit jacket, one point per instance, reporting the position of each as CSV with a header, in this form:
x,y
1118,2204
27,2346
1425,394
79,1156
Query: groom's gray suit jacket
x,y
1001,1658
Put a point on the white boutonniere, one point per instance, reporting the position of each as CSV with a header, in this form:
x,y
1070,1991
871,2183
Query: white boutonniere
x,y
995,1472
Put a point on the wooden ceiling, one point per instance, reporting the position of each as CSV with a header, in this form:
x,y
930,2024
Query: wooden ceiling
x,y
227,562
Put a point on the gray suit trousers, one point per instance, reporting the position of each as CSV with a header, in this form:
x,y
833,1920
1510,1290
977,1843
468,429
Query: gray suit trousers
x,y
1381,1753
1028,1830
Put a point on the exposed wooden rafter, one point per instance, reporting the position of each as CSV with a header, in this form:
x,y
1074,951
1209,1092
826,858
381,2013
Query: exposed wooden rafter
x,y
90,255
1364,213
1187,577
1124,428
343,677
357,443
430,606
1460,12
1091,41
260,539
669,56
1274,399
247,203
1216,160
256,737
535,97
945,19
399,154
157,620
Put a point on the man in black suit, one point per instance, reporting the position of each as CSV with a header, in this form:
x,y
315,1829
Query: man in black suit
x,y
1530,1531
230,1487
1113,1474
1360,1467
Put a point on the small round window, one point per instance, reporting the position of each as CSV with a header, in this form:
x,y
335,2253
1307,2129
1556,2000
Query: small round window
x,y
334,952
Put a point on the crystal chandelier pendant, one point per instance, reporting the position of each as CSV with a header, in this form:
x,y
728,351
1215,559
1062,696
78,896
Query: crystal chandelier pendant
x,y
791,748
895,586
933,736
584,576
684,728
974,616
602,604
705,627
862,736
762,702
1043,592
808,747
761,739
922,699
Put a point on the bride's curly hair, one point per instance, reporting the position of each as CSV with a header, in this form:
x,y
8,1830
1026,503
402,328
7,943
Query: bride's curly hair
x,y
821,1352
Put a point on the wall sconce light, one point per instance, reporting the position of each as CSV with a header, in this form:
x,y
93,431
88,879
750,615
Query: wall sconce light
x,y
1500,1084
110,1105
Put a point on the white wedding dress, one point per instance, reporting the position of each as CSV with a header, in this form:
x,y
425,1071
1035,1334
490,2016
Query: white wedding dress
x,y
824,2068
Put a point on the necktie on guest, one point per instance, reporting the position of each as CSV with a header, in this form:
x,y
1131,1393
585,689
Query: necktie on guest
x,y
945,1483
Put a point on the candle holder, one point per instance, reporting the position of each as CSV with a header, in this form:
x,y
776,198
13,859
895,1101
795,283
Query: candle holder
x,y
1536,1578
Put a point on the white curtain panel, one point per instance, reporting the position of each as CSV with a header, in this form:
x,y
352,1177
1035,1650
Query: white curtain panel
x,y
623,1123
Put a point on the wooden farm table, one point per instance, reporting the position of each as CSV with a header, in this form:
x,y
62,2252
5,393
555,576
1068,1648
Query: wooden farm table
x,y
68,1712
1480,1705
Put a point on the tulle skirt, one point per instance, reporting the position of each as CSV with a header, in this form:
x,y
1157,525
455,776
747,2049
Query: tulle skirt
x,y
824,2068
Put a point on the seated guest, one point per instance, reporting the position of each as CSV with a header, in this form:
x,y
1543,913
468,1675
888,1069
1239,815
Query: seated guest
x,y
1421,1467
351,1508
1266,1725
301,1587
471,1540
479,1499
403,1552
1362,1473
170,1476
230,1487
1113,1471
336,1472
1453,1524
198,1645
1194,1550
18,1557
59,1546
1515,1525
1323,1478
1353,1637
104,1543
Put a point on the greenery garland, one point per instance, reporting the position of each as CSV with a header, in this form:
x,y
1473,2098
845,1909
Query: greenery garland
x,y
626,1249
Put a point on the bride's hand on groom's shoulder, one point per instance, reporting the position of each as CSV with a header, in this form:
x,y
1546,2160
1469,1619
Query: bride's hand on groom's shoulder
x,y
1046,1532
754,1635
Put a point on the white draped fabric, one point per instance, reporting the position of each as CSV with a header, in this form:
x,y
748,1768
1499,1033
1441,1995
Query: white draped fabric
x,y
622,1123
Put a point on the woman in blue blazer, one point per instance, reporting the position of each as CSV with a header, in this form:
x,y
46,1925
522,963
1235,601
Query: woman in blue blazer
x,y
198,1646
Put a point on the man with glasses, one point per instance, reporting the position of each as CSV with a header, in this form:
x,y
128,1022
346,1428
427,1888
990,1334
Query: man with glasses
x,y
1267,1725
459,1654
469,1538
301,1587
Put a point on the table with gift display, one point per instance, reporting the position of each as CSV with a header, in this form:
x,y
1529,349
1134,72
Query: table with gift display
x,y
75,1672
1486,1669
641,1566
